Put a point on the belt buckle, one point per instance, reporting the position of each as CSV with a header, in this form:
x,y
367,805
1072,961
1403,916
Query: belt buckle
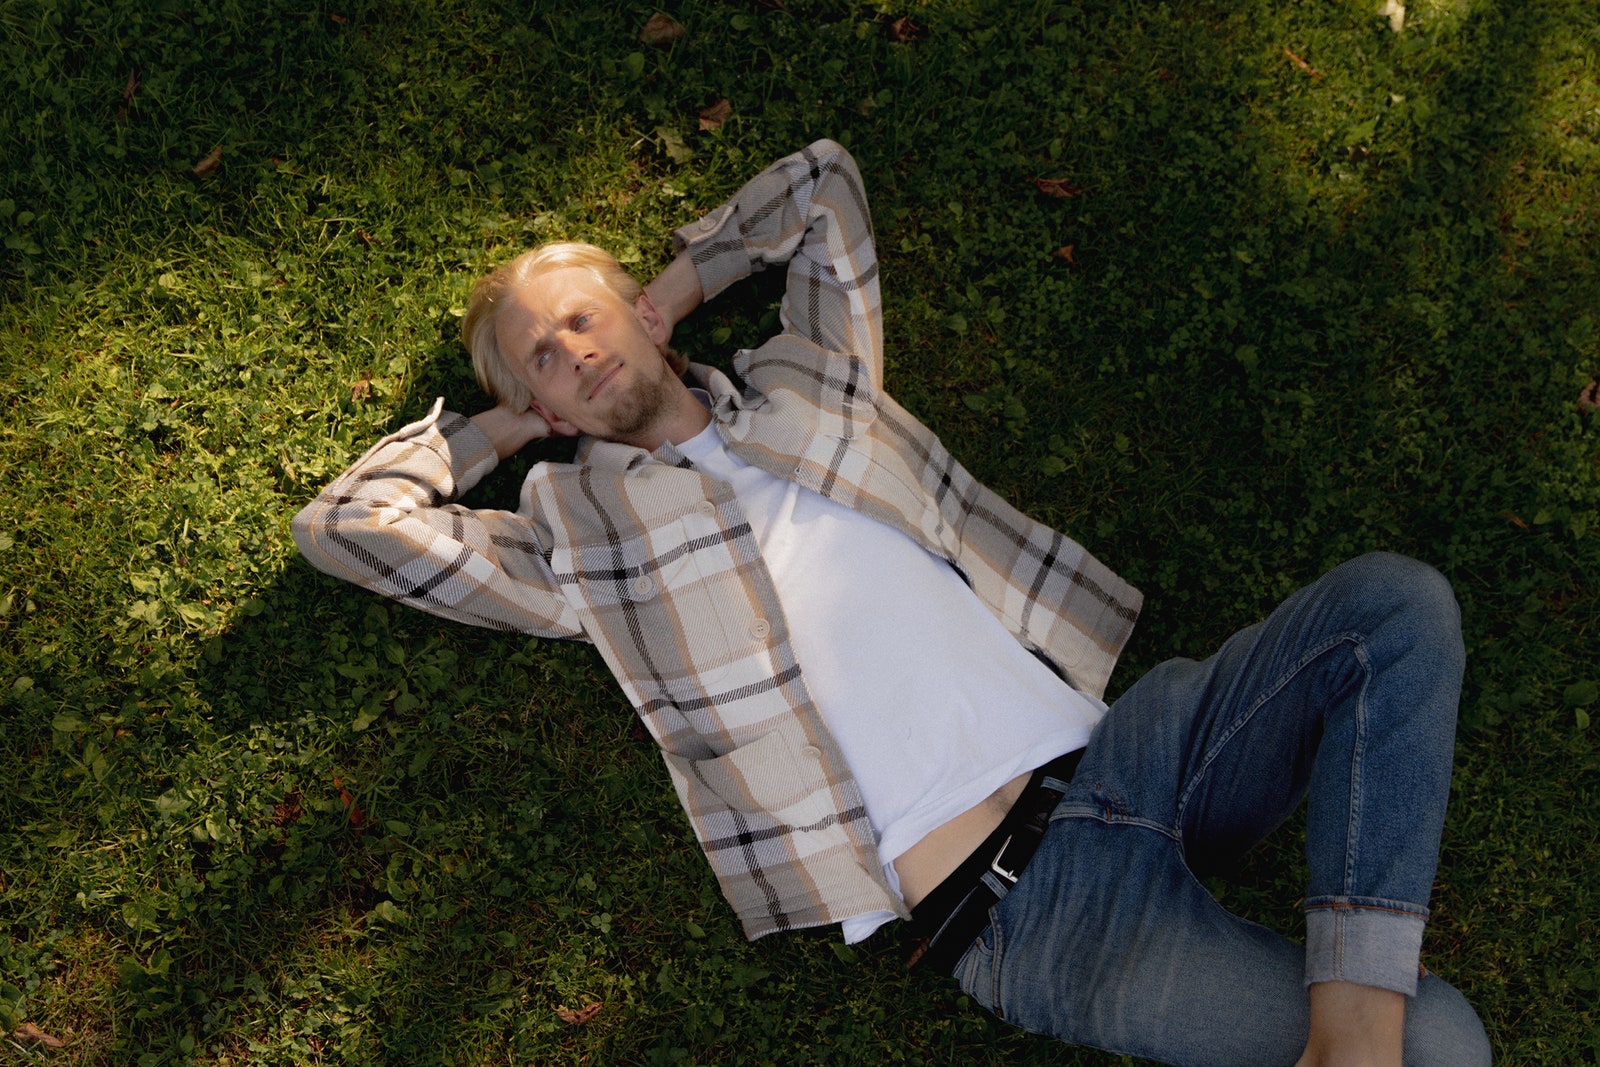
x,y
994,864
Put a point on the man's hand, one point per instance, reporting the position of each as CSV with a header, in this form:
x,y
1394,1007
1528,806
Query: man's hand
x,y
509,431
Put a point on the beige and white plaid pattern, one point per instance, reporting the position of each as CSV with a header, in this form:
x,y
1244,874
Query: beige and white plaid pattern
x,y
654,562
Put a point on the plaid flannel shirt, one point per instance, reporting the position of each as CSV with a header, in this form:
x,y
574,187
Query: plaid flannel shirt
x,y
652,561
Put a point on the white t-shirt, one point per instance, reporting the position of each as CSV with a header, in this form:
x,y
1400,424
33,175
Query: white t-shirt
x,y
933,703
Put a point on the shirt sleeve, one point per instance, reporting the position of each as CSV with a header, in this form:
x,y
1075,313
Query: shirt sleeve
x,y
807,210
391,524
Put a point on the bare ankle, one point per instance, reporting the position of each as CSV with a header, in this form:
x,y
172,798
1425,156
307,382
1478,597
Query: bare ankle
x,y
1354,1026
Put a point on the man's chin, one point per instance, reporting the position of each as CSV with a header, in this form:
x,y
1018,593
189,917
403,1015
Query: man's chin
x,y
632,417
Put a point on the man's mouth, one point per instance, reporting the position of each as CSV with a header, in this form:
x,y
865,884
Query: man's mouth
x,y
605,380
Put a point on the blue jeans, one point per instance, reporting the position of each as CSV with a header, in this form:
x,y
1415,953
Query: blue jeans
x,y
1345,698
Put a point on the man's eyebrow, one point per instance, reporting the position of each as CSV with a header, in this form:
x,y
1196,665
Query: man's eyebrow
x,y
538,337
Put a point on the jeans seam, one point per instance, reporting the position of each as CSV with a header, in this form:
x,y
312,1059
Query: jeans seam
x,y
1357,764
1397,907
1114,819
1267,693
997,940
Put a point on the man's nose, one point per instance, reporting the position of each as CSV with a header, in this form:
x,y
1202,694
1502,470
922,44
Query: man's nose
x,y
579,352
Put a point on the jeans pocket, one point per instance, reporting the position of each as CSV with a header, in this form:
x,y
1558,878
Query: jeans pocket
x,y
978,970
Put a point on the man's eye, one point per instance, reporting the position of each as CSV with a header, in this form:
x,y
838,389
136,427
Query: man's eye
x,y
582,320
542,360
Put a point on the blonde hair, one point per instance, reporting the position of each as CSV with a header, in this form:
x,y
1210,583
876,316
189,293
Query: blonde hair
x,y
494,373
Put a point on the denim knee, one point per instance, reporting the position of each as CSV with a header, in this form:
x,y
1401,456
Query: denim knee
x,y
1388,575
1409,592
1442,1030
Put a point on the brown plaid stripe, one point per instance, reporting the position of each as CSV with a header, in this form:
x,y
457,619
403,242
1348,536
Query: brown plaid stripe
x,y
654,562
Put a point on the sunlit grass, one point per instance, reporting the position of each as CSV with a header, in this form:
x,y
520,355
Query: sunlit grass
x,y
1306,313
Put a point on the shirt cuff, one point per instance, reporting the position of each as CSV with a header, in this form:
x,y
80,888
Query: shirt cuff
x,y
716,248
458,442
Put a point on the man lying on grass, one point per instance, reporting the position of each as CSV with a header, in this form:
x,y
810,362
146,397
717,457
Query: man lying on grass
x,y
877,686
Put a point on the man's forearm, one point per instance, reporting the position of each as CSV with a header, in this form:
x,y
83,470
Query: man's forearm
x,y
808,211
391,523
510,431
675,292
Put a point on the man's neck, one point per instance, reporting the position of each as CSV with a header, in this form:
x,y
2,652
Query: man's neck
x,y
682,418
693,418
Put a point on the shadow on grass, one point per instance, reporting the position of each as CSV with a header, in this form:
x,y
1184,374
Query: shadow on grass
x,y
345,830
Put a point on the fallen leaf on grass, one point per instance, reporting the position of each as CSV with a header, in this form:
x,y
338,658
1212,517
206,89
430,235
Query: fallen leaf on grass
x,y
287,810
128,92
30,1032
661,30
359,391
1302,64
1064,253
210,163
579,1016
715,115
1059,188
1589,397
357,816
903,29
1395,12
340,19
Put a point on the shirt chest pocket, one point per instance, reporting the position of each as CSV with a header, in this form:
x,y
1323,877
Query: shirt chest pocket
x,y
672,606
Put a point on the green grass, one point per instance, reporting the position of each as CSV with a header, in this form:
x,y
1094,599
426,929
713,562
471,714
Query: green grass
x,y
1306,315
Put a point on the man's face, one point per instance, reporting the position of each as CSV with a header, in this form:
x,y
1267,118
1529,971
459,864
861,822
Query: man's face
x,y
590,359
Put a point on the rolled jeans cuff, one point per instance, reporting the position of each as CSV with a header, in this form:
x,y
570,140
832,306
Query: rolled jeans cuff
x,y
1369,944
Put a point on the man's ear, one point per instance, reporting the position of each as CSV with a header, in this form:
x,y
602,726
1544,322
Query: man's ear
x,y
645,310
558,426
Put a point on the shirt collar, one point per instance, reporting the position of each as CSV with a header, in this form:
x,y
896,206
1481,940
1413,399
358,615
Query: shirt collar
x,y
709,385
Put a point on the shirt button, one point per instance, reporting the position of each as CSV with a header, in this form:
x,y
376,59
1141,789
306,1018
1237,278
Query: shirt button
x,y
643,585
811,752
760,628
707,507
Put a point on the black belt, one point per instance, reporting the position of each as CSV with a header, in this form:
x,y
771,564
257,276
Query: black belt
x,y
945,922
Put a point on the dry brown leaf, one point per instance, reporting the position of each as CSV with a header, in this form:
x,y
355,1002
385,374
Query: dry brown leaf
x,y
715,115
366,238
357,816
1060,188
340,19
210,163
903,29
579,1016
1302,64
1589,397
1064,253
287,810
30,1032
661,30
359,391
129,90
